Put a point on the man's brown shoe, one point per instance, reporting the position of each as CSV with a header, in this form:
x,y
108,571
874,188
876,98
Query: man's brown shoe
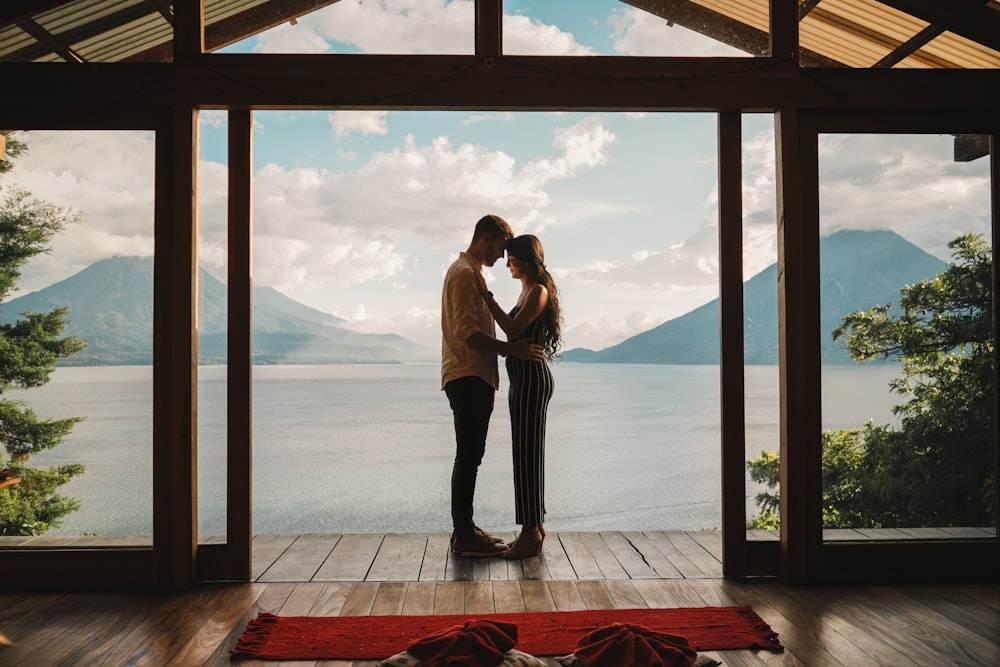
x,y
477,547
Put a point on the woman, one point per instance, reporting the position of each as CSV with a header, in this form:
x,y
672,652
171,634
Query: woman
x,y
535,317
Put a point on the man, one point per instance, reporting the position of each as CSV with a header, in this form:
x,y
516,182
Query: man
x,y
469,375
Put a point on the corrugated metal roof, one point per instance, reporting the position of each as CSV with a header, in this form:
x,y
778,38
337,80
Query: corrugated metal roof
x,y
115,30
854,33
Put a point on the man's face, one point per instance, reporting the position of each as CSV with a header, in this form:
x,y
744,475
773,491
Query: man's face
x,y
495,249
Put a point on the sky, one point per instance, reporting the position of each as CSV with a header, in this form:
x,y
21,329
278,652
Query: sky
x,y
358,213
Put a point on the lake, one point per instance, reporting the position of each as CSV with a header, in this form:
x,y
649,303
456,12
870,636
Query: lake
x,y
368,448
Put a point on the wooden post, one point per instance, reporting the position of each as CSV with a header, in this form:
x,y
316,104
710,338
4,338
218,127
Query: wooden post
x,y
239,477
189,28
799,349
175,352
489,27
731,353
784,29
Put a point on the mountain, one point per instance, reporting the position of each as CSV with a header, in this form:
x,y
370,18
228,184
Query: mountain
x,y
859,270
111,307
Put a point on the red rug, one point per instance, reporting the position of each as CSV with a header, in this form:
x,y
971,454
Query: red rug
x,y
271,637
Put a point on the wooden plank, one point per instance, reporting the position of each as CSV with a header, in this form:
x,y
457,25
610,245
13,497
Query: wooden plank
x,y
595,594
351,558
389,598
624,594
434,567
926,533
661,541
360,600
399,558
566,596
266,550
710,541
227,617
696,553
507,597
628,556
580,557
557,563
536,596
419,598
449,597
331,599
302,560
661,565
603,556
479,597
458,568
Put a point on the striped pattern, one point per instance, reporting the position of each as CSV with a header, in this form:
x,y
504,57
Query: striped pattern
x,y
531,387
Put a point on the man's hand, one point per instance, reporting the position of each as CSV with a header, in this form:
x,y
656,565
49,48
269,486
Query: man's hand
x,y
525,350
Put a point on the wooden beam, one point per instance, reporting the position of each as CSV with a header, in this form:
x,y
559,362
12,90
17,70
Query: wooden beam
x,y
909,47
48,40
175,353
238,27
489,28
189,29
784,29
239,378
799,350
536,83
723,28
972,19
969,147
731,335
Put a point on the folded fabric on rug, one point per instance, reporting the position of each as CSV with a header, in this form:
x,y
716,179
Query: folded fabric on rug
x,y
635,645
477,643
512,658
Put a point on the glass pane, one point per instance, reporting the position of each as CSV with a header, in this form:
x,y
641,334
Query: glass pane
x,y
760,313
357,216
100,269
213,250
907,341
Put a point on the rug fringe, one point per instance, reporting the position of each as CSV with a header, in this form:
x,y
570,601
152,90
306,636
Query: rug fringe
x,y
769,636
255,638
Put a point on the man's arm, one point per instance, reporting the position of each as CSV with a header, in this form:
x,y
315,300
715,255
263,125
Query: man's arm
x,y
521,349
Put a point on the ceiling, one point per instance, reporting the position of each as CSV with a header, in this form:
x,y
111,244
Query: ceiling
x,y
833,33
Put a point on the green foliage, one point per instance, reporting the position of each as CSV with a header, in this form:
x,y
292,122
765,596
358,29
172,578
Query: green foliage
x,y
939,467
29,350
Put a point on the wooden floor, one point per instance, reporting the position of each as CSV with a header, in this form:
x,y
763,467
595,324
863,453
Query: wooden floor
x,y
414,574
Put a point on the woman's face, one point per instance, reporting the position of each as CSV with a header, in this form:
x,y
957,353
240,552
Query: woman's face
x,y
516,266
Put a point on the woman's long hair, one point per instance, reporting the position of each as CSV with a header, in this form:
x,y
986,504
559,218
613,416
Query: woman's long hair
x,y
528,249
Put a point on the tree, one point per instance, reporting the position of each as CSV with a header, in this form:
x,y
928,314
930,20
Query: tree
x,y
29,350
939,468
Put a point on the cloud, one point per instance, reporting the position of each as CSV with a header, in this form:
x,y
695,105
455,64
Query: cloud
x,y
528,36
639,33
411,27
365,123
505,117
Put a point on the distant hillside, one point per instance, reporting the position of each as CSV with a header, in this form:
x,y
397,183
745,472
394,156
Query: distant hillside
x,y
859,270
111,307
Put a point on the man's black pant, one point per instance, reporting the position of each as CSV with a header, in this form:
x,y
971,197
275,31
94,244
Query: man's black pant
x,y
471,400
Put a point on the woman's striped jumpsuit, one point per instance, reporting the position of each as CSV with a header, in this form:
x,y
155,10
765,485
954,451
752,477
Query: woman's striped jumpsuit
x,y
531,388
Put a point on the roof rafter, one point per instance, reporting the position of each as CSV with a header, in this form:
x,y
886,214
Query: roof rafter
x,y
722,28
240,26
48,40
972,19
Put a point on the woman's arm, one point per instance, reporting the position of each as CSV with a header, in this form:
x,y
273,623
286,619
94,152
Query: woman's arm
x,y
534,303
